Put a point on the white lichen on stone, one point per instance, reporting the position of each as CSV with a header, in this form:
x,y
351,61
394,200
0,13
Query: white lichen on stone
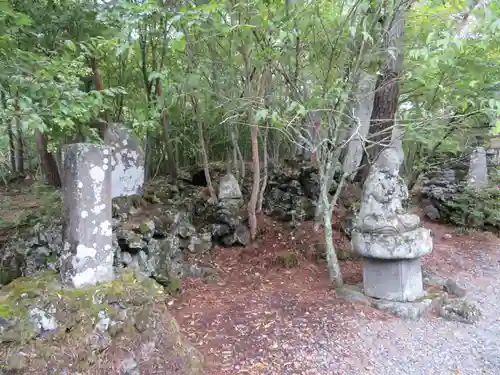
x,y
110,257
105,167
84,214
97,174
97,209
83,251
79,184
84,278
125,142
43,320
106,229
107,247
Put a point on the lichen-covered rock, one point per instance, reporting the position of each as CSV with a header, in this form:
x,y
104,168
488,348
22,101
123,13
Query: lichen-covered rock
x,y
92,330
229,187
460,310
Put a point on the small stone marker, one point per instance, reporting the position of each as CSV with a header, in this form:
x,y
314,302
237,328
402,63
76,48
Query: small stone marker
x,y
478,169
229,187
87,255
127,162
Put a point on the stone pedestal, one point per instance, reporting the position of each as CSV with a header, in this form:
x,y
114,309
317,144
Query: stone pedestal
x,y
87,256
394,279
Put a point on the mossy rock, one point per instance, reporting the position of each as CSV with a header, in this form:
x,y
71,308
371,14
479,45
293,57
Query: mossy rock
x,y
96,327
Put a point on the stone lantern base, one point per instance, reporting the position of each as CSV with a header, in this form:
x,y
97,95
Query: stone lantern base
x,y
393,279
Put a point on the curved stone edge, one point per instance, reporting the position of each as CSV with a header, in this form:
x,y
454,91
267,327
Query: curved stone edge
x,y
389,246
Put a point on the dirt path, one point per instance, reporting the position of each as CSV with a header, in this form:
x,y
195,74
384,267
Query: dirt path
x,y
263,319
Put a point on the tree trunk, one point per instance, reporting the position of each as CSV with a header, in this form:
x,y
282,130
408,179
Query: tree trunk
x,y
362,112
47,160
235,162
265,156
171,162
254,139
265,177
10,134
331,256
252,218
385,103
96,72
203,151
19,140
241,170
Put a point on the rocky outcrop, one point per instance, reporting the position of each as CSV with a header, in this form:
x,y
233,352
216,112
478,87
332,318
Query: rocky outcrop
x,y
227,217
446,197
154,233
154,241
24,257
291,194
120,327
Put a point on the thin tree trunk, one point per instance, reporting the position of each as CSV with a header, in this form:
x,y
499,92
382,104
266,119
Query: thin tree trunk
x,y
362,111
10,134
265,157
254,139
203,151
19,139
385,103
234,145
171,162
327,207
265,167
239,157
252,218
47,160
96,72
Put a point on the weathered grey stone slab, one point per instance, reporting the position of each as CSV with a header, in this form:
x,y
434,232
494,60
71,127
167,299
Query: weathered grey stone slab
x,y
127,161
229,187
87,255
478,169
394,280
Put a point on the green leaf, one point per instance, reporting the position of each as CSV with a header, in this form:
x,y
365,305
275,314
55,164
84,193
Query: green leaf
x,y
179,43
496,129
261,115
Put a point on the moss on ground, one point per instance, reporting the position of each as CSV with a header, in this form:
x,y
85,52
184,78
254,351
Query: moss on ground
x,y
135,306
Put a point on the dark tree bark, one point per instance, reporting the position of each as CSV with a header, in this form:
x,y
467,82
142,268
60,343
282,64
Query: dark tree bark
x,y
10,133
47,160
385,103
96,72
19,148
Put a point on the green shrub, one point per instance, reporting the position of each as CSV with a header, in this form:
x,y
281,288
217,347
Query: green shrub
x,y
478,209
